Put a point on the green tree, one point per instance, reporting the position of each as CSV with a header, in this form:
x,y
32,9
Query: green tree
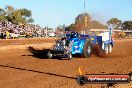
x,y
2,11
9,9
25,12
127,25
2,15
30,20
16,16
115,22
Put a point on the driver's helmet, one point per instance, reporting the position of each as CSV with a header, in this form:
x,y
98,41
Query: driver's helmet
x,y
74,35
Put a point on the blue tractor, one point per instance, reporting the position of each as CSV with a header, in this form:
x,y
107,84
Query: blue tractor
x,y
75,43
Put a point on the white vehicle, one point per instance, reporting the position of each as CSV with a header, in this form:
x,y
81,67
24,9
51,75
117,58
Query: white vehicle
x,y
51,34
106,38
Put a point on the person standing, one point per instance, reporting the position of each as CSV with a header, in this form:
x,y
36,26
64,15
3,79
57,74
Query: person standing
x,y
7,34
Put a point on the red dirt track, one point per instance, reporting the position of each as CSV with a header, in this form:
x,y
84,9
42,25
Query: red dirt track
x,y
19,68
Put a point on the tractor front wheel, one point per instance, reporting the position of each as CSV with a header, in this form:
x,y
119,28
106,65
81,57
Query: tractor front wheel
x,y
87,50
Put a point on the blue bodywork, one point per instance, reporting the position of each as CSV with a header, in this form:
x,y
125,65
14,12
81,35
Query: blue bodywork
x,y
78,43
77,46
70,44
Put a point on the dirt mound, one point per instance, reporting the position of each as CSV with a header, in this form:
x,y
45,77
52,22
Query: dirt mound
x,y
97,51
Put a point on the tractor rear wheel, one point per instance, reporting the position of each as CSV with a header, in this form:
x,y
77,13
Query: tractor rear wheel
x,y
87,50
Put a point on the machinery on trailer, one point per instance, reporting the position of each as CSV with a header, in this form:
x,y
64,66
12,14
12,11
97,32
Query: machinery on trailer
x,y
75,43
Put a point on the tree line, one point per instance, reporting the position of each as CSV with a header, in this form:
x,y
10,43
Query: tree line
x,y
118,24
84,22
16,16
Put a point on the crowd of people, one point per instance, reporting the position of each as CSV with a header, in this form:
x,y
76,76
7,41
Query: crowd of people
x,y
7,29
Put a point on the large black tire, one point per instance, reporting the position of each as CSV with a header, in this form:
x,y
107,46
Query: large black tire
x,y
87,50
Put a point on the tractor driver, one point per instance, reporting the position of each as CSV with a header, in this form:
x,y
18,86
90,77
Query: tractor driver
x,y
74,35
71,35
